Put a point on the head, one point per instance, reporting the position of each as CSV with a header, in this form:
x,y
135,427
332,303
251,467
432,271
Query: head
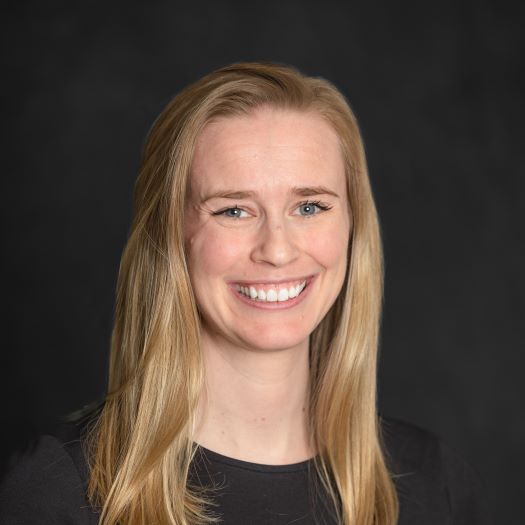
x,y
275,139
285,145
267,226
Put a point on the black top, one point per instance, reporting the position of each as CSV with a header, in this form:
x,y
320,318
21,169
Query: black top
x,y
435,486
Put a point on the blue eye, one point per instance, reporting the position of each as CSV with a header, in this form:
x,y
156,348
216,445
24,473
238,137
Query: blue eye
x,y
307,209
231,213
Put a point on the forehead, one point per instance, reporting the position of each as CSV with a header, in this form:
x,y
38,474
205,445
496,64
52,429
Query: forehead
x,y
270,148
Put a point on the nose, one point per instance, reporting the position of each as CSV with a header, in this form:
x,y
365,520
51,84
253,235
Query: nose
x,y
274,245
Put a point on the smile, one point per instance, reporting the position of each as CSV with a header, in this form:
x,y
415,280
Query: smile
x,y
272,293
276,295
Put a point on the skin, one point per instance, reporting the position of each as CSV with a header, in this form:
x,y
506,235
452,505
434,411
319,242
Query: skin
x,y
256,360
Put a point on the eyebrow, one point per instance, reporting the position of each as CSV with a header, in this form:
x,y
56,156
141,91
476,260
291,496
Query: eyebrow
x,y
304,191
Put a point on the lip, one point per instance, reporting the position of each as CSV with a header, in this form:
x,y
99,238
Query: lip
x,y
262,305
275,282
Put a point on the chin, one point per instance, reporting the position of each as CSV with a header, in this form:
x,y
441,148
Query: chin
x,y
272,341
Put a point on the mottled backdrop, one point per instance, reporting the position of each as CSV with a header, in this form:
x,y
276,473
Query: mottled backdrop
x,y
439,91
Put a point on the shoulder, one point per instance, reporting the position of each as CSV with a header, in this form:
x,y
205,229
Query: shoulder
x,y
47,482
431,478
407,446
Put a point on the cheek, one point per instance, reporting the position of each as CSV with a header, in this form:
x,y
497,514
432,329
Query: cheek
x,y
211,252
330,247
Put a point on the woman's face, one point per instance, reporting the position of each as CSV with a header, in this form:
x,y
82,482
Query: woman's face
x,y
266,227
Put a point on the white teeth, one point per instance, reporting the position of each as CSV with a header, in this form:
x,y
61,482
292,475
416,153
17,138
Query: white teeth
x,y
272,295
282,295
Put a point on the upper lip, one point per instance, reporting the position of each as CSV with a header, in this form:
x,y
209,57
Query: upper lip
x,y
270,281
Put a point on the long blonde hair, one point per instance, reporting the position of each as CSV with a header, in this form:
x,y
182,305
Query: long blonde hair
x,y
141,447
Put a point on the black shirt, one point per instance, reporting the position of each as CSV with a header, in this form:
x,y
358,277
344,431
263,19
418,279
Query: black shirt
x,y
435,486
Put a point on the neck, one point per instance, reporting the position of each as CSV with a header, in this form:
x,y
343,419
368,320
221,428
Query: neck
x,y
255,403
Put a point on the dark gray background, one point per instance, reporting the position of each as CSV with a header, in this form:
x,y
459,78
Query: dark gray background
x,y
438,88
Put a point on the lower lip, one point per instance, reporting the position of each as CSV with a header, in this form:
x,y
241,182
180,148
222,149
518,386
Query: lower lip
x,y
275,305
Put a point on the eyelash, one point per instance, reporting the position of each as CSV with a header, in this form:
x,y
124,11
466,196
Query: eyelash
x,y
323,207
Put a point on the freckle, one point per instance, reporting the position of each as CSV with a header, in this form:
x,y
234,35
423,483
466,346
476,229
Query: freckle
x,y
263,419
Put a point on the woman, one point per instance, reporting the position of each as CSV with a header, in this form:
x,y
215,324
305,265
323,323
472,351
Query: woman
x,y
243,365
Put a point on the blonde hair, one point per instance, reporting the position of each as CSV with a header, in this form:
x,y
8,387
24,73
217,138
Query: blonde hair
x,y
141,444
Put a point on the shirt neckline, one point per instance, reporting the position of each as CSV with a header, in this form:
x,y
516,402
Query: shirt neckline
x,y
256,467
